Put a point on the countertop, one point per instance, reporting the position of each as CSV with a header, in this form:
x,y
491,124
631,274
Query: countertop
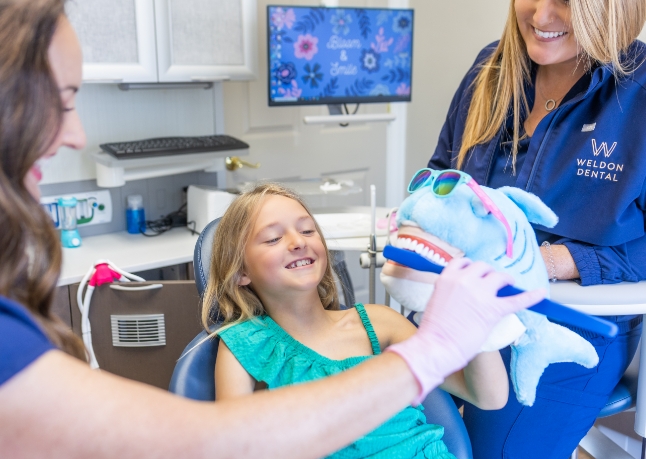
x,y
135,252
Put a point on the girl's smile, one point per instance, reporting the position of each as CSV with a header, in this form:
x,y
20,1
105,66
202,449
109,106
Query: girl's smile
x,y
302,263
284,252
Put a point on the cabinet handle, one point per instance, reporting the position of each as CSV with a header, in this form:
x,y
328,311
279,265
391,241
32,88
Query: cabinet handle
x,y
212,79
233,163
102,80
123,288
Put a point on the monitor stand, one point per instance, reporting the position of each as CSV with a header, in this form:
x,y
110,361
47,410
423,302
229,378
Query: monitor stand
x,y
335,109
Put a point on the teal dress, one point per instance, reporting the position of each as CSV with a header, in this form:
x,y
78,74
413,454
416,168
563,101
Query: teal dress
x,y
269,354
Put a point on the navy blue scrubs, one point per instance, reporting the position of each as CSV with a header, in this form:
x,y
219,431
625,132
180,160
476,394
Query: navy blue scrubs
x,y
587,161
21,339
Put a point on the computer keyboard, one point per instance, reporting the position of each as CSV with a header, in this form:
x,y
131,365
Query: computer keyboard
x,y
164,146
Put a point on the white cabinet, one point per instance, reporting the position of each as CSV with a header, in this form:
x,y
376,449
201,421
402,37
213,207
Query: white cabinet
x,y
135,41
117,38
206,40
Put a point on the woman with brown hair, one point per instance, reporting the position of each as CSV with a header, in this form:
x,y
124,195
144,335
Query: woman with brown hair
x,y
556,107
53,405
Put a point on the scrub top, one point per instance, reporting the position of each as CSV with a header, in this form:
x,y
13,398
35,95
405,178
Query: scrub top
x,y
22,341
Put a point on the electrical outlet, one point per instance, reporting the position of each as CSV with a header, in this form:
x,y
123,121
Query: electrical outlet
x,y
93,207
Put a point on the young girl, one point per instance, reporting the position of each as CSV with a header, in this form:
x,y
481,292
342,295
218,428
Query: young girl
x,y
276,296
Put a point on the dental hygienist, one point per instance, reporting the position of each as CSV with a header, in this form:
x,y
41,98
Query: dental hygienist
x,y
53,405
557,107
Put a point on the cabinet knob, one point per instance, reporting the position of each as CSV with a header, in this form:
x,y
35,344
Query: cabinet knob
x,y
233,163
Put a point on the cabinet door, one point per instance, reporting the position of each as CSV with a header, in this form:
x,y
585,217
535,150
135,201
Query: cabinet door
x,y
206,40
61,306
117,38
127,327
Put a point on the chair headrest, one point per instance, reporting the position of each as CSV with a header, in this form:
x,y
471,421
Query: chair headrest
x,y
202,256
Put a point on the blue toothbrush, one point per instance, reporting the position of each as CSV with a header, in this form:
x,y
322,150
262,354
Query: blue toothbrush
x,y
546,307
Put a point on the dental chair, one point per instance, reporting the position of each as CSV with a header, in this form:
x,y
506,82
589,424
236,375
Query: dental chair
x,y
194,377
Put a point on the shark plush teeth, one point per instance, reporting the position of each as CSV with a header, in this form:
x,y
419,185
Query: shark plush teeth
x,y
441,228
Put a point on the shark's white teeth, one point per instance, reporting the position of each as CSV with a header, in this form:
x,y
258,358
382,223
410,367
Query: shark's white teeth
x,y
540,33
299,263
439,260
419,248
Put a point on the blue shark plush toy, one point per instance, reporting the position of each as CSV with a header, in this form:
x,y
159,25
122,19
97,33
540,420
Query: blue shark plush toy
x,y
456,225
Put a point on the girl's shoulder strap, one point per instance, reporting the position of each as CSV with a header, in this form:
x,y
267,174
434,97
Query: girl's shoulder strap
x,y
374,341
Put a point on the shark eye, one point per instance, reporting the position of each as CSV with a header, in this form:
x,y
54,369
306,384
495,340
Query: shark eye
x,y
478,208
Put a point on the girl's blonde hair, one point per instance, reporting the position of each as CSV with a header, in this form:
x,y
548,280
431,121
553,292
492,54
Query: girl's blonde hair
x,y
604,29
229,302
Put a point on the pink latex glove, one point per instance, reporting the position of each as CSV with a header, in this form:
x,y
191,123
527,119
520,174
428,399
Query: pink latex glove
x,y
458,319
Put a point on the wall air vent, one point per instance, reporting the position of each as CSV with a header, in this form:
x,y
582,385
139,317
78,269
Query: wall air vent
x,y
138,330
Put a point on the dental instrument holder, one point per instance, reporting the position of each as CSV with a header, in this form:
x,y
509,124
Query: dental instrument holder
x,y
70,237
553,310
372,249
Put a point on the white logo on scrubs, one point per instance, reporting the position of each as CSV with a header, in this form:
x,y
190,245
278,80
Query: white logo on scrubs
x,y
598,169
603,147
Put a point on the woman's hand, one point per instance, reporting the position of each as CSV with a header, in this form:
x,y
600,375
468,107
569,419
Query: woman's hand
x,y
564,266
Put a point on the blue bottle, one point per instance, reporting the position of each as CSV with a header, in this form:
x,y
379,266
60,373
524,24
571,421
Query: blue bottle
x,y
135,217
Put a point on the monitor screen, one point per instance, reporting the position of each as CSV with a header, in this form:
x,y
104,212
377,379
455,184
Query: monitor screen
x,y
339,55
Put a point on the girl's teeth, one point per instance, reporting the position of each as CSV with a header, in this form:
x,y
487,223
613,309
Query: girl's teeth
x,y
299,263
540,33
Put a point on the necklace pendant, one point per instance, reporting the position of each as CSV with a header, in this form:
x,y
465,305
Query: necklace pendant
x,y
550,105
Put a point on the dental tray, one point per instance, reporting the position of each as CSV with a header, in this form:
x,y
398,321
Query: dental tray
x,y
553,310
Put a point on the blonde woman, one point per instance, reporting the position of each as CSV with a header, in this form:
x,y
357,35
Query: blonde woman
x,y
557,107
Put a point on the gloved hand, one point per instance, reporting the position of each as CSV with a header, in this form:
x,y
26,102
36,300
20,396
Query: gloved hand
x,y
458,319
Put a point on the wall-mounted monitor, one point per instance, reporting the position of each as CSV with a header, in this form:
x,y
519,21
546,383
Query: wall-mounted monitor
x,y
339,55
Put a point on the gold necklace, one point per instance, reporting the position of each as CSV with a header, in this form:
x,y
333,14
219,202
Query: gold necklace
x,y
550,104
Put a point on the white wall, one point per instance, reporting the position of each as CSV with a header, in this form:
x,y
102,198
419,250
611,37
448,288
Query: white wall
x,y
286,147
111,115
448,37
278,138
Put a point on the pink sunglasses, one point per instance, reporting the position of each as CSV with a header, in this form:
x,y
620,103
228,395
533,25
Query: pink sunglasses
x,y
443,183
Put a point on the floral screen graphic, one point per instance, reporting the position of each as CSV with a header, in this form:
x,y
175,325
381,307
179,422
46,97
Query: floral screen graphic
x,y
339,55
